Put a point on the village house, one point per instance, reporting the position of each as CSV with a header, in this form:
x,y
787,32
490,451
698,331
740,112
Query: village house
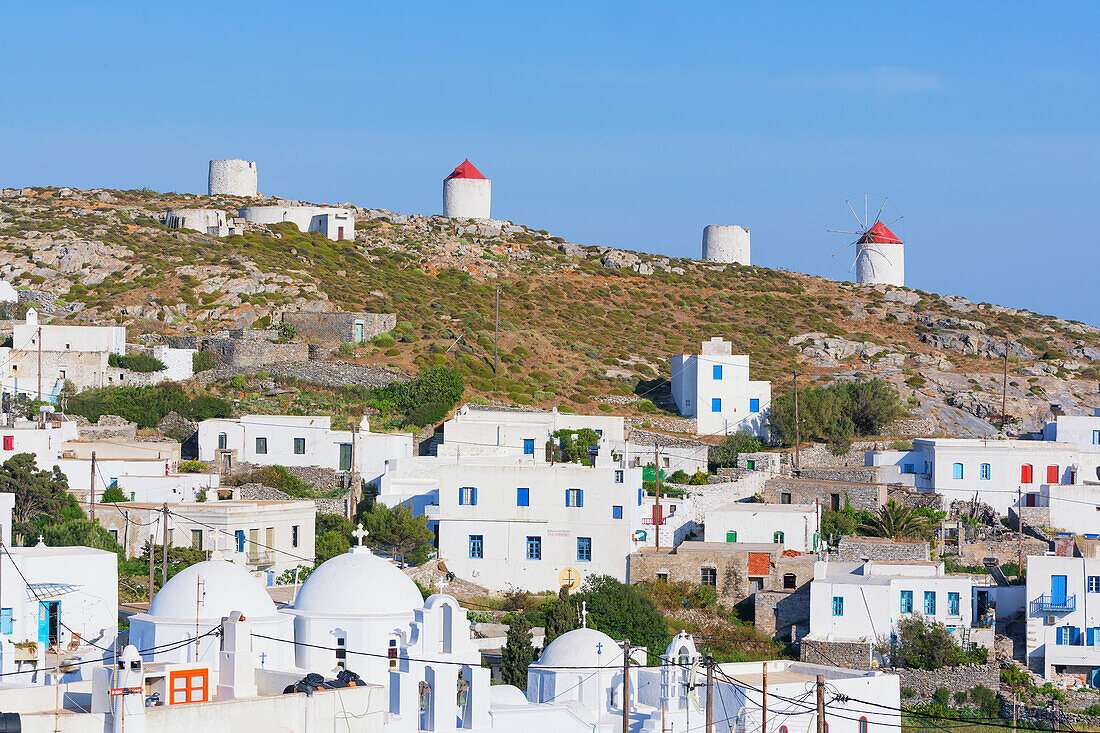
x,y
829,494
791,526
714,388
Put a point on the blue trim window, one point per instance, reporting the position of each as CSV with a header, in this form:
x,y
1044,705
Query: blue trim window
x,y
716,371
908,468
1096,437
641,496
957,471
616,512
528,446
523,496
930,603
985,472
574,498
1092,635
754,404
534,548
906,601
5,621
584,549
952,604
467,496
238,537
1094,584
715,404
1069,636
838,605
477,547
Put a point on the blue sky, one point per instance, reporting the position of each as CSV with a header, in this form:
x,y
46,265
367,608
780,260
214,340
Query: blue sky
x,y
628,124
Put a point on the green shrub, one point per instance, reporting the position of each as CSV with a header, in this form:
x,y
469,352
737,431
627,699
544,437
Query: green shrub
x,y
644,405
699,478
136,362
146,405
111,495
191,467
679,477
384,340
202,361
725,454
836,414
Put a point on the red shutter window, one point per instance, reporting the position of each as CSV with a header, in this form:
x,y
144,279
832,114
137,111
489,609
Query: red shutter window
x,y
9,442
1025,474
1052,474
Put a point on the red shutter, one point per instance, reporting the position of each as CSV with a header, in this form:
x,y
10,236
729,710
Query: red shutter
x,y
9,442
1025,474
1052,475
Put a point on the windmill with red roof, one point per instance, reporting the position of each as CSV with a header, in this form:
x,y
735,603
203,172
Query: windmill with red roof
x,y
879,253
467,193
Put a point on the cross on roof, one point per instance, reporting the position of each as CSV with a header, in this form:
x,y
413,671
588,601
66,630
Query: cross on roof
x,y
584,614
360,533
442,583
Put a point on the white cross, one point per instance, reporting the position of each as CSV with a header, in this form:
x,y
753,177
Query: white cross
x,y
584,614
360,533
41,540
442,583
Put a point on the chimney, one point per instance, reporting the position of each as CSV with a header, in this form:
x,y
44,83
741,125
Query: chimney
x,y
1063,545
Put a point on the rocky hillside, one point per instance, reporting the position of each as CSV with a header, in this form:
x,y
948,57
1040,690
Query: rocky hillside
x,y
584,327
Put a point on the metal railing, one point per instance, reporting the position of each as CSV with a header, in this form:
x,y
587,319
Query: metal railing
x,y
1050,604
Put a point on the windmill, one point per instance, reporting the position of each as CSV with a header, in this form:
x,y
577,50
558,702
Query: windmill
x,y
879,254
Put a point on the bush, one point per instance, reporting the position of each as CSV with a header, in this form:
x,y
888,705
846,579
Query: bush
x,y
111,495
202,361
191,467
384,340
146,405
986,701
278,477
725,454
623,612
136,362
699,478
926,644
836,414
679,477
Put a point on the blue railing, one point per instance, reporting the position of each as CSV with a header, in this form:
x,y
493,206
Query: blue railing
x,y
1050,604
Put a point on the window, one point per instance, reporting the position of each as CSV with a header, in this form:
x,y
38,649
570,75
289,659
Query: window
x,y
1093,635
467,496
114,535
1068,636
754,404
731,536
641,496
956,470
789,581
620,477
9,442
477,547
1026,474
708,576
534,548
908,468
196,539
295,535
952,604
906,602
1052,475
778,537
584,549
838,605
785,498
523,496
1094,584
863,725
574,497
299,446
5,621
223,441
985,471
715,404
188,686
662,576
238,537
716,371
834,502
528,446
261,446
930,603
1096,437
345,456
617,512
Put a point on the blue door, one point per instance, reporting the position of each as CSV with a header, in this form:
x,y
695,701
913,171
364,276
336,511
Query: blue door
x,y
49,617
1058,590
1094,677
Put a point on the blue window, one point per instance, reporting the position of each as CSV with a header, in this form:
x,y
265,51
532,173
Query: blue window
x,y
985,472
754,404
715,404
574,497
523,496
838,605
584,549
616,512
1093,635
477,547
930,603
1094,584
5,621
534,548
528,446
238,536
467,496
906,601
641,496
1069,636
956,470
716,371
952,604
1096,437
908,468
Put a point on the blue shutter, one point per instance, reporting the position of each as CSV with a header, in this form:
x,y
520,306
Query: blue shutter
x,y
754,405
716,371
715,404
1090,635
5,621
473,496
580,497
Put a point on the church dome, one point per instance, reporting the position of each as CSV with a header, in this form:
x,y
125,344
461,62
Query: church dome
x,y
224,588
358,583
581,648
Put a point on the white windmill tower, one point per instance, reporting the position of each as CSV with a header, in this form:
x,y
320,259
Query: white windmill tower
x,y
879,253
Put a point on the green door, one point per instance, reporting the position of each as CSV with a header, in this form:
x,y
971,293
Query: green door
x,y
345,456
731,536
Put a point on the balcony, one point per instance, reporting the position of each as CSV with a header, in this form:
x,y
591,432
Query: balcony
x,y
1049,604
261,558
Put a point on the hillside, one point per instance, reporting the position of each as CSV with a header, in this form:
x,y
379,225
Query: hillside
x,y
582,327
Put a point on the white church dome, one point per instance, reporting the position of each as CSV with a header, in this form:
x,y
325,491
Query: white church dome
x,y
220,586
581,648
358,583
506,695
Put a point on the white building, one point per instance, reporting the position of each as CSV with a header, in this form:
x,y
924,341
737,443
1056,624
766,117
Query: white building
x,y
1063,612
993,470
863,601
232,177
726,243
335,223
467,193
880,257
115,462
794,526
1081,430
208,221
714,388
476,430
300,440
8,293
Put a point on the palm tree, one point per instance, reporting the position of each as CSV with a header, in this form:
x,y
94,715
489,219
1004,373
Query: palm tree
x,y
896,521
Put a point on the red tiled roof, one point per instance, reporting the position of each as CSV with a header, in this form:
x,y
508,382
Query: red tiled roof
x,y
879,234
466,169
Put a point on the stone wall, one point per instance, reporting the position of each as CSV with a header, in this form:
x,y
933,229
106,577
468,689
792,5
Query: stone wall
x,y
1005,548
853,474
254,352
318,477
925,682
1036,516
686,563
818,454
325,505
108,427
711,496
338,327
851,654
324,373
807,491
854,549
784,615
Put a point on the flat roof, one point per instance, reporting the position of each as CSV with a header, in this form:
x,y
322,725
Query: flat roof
x,y
996,444
745,506
229,503
721,547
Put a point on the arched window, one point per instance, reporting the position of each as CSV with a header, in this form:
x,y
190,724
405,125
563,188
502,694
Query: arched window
x,y
1027,474
778,537
782,729
985,472
223,441
957,471
864,726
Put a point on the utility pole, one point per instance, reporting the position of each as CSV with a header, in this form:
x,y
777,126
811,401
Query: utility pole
x,y
353,478
91,491
709,728
657,516
797,427
164,548
1020,531
126,532
626,685
821,703
39,339
496,337
152,577
764,699
1004,388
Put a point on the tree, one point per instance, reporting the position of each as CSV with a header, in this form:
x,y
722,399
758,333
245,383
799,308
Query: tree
x,y
562,616
836,413
623,612
399,532
725,454
518,653
573,444
924,644
111,495
78,532
897,521
39,495
329,545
